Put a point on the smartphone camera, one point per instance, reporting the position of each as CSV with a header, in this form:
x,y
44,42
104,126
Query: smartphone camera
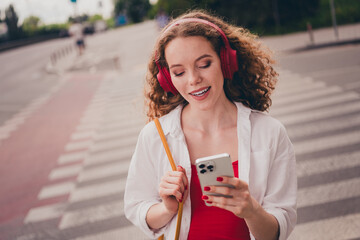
x,y
208,166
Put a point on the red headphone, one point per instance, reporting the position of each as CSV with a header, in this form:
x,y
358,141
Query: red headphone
x,y
227,57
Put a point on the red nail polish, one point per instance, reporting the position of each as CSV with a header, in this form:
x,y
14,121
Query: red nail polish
x,y
180,200
206,188
204,197
219,179
186,187
209,202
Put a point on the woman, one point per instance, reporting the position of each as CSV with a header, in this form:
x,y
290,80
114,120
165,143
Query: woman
x,y
209,83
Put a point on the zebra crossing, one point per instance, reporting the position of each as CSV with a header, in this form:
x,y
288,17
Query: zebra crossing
x,y
323,123
318,118
90,176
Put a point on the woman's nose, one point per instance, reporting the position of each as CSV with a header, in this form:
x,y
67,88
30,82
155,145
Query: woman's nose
x,y
194,77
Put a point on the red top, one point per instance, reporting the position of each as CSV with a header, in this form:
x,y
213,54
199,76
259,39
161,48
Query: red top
x,y
213,222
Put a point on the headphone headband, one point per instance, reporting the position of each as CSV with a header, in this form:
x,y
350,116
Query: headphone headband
x,y
185,20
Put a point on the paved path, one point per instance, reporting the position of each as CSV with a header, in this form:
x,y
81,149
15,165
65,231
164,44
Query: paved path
x,y
323,124
79,194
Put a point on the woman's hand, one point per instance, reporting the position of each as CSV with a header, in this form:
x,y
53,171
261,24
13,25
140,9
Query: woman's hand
x,y
241,203
173,189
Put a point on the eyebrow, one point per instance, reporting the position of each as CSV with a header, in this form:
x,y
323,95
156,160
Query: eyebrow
x,y
199,58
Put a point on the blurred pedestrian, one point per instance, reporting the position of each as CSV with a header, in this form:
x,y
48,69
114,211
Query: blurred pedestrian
x,y
210,84
76,30
162,19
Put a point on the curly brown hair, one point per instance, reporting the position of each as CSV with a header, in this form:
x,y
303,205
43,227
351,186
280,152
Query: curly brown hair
x,y
252,85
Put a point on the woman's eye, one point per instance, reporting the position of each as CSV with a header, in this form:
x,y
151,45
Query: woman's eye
x,y
206,65
178,74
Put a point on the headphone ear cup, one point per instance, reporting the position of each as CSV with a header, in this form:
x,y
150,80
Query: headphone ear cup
x,y
228,62
233,65
224,63
164,79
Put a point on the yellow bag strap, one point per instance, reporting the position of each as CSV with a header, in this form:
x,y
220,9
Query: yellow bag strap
x,y
173,166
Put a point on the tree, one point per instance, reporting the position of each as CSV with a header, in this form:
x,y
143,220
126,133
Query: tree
x,y
263,16
136,10
30,25
11,20
95,18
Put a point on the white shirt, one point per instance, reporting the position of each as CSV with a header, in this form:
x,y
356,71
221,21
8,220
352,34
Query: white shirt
x,y
76,30
266,162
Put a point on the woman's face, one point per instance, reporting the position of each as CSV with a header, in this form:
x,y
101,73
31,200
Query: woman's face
x,y
195,71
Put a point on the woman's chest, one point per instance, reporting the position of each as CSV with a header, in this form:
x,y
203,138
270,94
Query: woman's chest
x,y
207,144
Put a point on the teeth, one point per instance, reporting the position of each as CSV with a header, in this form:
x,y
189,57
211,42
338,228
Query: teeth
x,y
200,92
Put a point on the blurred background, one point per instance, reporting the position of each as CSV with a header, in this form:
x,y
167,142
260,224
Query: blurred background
x,y
71,107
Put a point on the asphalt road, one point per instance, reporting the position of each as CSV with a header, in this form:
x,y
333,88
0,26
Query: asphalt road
x,y
318,101
23,76
67,133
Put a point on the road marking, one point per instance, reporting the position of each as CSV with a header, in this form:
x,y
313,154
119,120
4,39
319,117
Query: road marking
x,y
118,133
325,126
82,135
328,142
87,127
352,85
109,155
91,119
334,71
92,214
328,192
72,157
4,135
311,115
316,103
64,172
97,190
327,164
344,227
56,190
278,102
78,145
45,212
300,89
129,141
128,232
104,171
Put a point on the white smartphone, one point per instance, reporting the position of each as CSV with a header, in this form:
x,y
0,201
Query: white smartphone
x,y
212,167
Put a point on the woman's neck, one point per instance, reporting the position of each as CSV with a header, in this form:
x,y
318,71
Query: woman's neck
x,y
222,116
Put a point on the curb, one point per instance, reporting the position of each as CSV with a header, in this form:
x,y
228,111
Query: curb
x,y
324,45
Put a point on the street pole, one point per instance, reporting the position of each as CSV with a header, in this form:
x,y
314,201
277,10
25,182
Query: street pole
x,y
276,15
75,8
333,16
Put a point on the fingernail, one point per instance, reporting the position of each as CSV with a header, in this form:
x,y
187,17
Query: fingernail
x,y
206,188
219,179
180,167
209,202
180,200
186,187
204,197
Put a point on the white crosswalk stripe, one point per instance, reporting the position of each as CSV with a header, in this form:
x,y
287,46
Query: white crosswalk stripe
x,y
319,118
346,227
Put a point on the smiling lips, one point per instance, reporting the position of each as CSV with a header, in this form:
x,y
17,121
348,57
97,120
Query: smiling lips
x,y
201,92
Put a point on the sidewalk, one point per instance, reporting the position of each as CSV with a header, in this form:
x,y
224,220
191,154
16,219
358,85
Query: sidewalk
x,y
92,59
324,37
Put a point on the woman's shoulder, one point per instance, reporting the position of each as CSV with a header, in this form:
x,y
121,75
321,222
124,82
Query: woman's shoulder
x,y
168,122
265,118
264,124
